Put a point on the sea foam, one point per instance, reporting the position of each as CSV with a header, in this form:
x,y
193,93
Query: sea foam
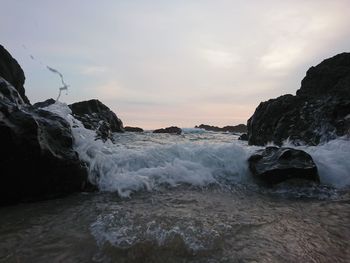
x,y
148,161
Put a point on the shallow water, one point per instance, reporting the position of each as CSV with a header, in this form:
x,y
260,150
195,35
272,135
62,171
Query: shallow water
x,y
179,225
187,198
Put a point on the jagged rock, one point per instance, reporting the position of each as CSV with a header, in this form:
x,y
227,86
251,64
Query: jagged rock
x,y
43,104
238,128
36,155
274,165
11,71
133,129
319,112
96,116
243,137
172,130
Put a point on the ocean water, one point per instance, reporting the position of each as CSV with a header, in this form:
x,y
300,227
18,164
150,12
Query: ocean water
x,y
184,198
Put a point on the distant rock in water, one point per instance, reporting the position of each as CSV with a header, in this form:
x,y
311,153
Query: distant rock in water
x,y
240,128
96,116
243,137
36,155
11,71
172,130
274,165
319,112
132,129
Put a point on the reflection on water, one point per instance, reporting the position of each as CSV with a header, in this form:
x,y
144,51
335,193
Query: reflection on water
x,y
179,225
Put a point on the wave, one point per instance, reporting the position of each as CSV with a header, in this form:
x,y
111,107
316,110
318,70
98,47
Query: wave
x,y
123,169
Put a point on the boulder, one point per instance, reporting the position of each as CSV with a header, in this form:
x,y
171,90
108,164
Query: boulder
x,y
243,137
133,129
171,130
43,104
12,72
237,128
274,165
36,156
319,112
94,115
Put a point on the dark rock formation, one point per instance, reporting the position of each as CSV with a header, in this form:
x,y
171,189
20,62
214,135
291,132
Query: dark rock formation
x,y
240,128
11,71
275,165
133,129
319,112
243,137
172,130
96,116
43,104
36,155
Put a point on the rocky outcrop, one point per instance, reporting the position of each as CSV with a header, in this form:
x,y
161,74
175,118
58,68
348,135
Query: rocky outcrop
x,y
171,130
319,112
133,129
94,115
274,165
11,71
240,128
36,155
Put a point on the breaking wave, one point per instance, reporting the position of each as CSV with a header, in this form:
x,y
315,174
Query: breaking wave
x,y
147,161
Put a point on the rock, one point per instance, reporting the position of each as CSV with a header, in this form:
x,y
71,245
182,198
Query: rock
x,y
172,130
96,116
11,71
43,104
36,156
319,112
133,129
243,137
238,128
274,165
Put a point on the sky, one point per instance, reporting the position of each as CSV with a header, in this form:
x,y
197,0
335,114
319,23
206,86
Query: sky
x,y
182,62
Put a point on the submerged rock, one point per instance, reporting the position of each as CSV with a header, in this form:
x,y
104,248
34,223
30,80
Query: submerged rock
x,y
274,165
172,130
96,116
36,155
237,128
12,72
319,112
133,129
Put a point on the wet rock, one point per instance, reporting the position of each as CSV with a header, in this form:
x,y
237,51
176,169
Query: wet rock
x,y
96,116
133,129
172,130
37,159
243,137
274,165
11,71
237,128
43,104
319,112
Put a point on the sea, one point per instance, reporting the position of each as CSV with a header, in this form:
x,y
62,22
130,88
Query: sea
x,y
184,198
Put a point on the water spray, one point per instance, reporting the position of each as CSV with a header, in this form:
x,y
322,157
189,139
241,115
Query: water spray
x,y
55,71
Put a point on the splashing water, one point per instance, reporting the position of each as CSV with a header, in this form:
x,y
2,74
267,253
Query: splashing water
x,y
199,158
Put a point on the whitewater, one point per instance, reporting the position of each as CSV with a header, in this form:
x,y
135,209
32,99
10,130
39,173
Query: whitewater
x,y
184,198
147,161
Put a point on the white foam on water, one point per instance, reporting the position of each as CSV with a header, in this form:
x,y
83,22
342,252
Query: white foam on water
x,y
123,169
114,167
332,160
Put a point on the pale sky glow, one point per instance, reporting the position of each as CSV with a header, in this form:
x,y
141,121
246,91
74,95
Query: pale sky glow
x,y
162,63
